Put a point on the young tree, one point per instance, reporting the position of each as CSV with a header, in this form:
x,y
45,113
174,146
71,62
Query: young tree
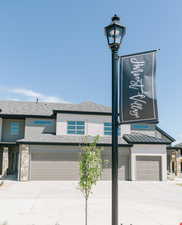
x,y
90,168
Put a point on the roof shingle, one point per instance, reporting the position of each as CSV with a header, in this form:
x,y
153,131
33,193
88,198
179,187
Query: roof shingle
x,y
138,138
46,108
50,138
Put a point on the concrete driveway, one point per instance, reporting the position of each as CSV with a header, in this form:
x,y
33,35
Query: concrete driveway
x,y
48,203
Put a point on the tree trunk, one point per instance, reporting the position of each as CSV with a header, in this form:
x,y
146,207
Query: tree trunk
x,y
86,201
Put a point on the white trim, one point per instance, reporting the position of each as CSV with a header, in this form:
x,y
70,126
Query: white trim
x,y
163,171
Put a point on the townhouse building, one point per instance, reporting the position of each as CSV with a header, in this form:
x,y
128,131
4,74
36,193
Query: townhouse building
x,y
41,141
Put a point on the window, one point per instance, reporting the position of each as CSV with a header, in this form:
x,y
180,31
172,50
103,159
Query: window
x,y
142,126
108,129
76,127
42,122
14,128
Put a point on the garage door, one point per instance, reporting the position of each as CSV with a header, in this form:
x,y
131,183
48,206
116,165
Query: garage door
x,y
123,167
148,168
54,166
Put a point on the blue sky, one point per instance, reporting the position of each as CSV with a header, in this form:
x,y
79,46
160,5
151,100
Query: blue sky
x,y
57,50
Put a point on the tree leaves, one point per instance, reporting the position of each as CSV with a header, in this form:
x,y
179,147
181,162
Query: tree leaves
x,y
90,166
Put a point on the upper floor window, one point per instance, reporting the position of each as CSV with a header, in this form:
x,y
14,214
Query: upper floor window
x,y
42,122
142,126
108,129
14,128
76,127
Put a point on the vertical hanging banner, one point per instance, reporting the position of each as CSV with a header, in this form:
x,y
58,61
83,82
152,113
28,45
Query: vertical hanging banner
x,y
137,88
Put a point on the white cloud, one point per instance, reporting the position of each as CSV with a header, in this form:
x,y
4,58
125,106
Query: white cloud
x,y
30,95
26,92
13,99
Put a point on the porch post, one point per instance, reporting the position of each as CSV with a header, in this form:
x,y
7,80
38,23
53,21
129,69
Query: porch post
x,y
132,166
178,163
5,162
24,162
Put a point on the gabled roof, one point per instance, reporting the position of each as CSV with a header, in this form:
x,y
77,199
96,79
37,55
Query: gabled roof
x,y
165,134
47,109
68,139
138,138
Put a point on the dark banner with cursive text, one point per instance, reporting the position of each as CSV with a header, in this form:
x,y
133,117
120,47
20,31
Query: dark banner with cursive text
x,y
137,88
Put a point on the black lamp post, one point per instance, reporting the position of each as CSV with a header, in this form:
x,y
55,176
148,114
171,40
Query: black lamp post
x,y
115,33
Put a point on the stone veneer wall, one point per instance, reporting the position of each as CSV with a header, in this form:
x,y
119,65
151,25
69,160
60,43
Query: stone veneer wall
x,y
178,162
175,157
24,162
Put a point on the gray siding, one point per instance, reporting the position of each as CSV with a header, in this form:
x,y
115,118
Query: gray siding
x,y
32,128
94,124
145,132
6,133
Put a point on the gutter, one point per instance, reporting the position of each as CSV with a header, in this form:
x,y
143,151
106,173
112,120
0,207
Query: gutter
x,y
83,112
150,143
68,143
23,116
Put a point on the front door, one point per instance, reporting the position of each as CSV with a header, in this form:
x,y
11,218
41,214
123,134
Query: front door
x,y
13,162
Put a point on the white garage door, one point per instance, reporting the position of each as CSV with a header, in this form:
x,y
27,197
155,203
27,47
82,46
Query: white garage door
x,y
54,166
148,168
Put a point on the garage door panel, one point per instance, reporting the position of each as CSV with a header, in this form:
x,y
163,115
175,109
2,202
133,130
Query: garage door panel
x,y
54,166
62,165
148,168
123,167
106,166
54,156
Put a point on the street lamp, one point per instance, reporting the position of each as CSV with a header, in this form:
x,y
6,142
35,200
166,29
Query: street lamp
x,y
115,33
